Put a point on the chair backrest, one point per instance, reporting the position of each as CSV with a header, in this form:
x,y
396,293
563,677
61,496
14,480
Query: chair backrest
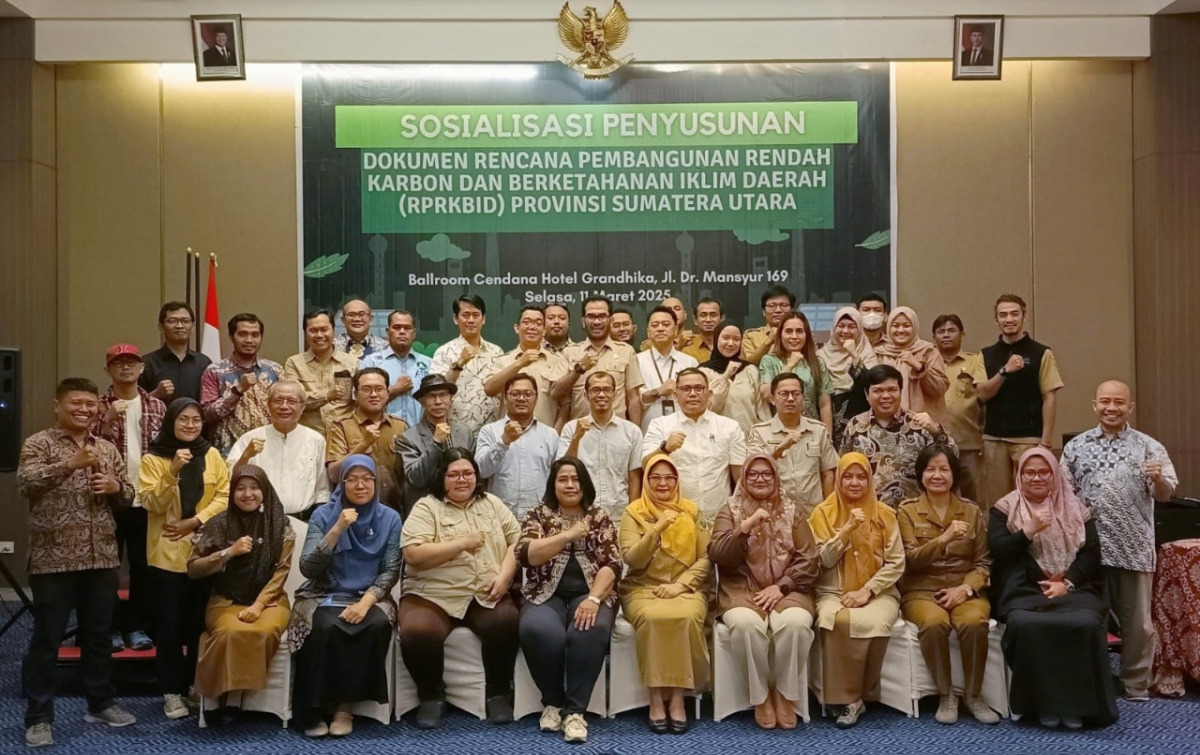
x,y
295,578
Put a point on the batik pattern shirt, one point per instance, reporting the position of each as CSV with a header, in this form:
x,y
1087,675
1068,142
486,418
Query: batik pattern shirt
x,y
892,449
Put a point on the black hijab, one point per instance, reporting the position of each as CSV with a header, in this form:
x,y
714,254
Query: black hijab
x,y
191,477
718,362
268,527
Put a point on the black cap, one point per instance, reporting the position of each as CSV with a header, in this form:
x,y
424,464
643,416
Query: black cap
x,y
432,383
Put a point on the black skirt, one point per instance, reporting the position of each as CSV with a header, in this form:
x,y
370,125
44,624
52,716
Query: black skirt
x,y
341,663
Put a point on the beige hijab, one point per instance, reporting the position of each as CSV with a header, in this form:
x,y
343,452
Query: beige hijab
x,y
1055,547
913,398
838,361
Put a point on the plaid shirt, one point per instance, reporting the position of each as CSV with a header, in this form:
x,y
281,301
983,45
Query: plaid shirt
x,y
153,412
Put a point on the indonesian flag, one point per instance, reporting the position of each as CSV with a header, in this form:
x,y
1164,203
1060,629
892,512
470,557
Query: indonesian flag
x,y
210,338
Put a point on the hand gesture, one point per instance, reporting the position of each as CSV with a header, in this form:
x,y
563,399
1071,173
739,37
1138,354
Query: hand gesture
x,y
473,541
85,457
730,369
182,457
956,531
370,437
251,613
857,517
103,484
349,516
669,591
913,363
512,432
441,433
675,441
1153,469
666,520
1053,588
951,597
850,345
466,355
582,425
497,588
402,385
1036,524
768,598
254,448
178,530
667,389
241,546
354,614
588,362
528,357
116,409
856,598
247,381
585,615
1015,363
755,519
577,531
792,439
793,360
925,422
165,388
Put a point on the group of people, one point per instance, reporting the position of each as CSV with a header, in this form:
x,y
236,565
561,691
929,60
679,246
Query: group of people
x,y
533,495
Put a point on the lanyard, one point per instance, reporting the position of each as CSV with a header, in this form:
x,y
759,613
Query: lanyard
x,y
670,371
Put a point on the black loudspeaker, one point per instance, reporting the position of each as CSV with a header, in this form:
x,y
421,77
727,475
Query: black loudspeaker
x,y
10,409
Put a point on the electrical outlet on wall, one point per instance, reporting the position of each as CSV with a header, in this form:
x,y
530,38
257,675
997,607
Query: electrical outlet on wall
x,y
6,546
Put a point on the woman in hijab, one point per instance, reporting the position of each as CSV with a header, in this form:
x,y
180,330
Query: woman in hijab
x,y
248,547
767,568
862,558
920,363
342,622
734,381
183,483
663,592
846,357
796,351
1046,588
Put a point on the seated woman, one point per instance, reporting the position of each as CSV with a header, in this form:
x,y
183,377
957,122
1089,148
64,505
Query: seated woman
x,y
569,549
183,483
919,361
342,622
664,592
796,351
459,544
248,547
1046,581
734,381
766,569
862,558
946,569
846,357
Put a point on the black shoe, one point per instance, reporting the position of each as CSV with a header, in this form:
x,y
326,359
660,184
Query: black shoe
x,y
677,727
660,726
499,710
429,715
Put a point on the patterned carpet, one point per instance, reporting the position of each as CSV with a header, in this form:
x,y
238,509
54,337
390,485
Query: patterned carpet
x,y
1159,726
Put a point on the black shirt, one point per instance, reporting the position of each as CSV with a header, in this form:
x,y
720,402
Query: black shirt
x,y
162,364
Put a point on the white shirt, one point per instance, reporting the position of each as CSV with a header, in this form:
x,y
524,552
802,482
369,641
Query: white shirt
x,y
714,443
294,463
657,369
610,452
133,444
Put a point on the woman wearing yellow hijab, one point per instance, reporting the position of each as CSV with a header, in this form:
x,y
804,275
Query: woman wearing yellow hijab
x,y
663,593
862,558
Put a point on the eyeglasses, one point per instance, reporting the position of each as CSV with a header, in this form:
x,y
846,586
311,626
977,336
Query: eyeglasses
x,y
177,321
371,390
356,315
528,323
601,391
189,421
691,388
460,475
655,479
776,306
360,479
760,475
789,394
1035,474
285,402
527,395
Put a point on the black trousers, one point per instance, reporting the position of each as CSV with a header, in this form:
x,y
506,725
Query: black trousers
x,y
424,627
131,540
564,661
89,593
180,604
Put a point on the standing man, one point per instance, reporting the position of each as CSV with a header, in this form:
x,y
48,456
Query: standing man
x,y
174,370
324,372
531,358
890,437
622,328
800,446
874,311
130,418
683,338
707,448
515,453
405,368
233,392
465,361
709,316
777,302
1021,393
358,340
293,456
372,431
964,413
660,365
558,328
600,353
421,446
610,446
1119,473
73,482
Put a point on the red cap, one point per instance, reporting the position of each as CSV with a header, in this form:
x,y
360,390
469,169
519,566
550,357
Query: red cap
x,y
121,350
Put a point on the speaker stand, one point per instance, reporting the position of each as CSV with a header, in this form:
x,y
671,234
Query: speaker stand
x,y
12,582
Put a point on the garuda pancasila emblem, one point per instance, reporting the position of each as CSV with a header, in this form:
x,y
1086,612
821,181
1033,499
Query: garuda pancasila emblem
x,y
594,38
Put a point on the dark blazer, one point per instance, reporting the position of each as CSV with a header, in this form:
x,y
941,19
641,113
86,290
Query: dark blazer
x,y
213,58
986,57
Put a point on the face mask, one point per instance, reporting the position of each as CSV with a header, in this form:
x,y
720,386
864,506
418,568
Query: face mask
x,y
872,321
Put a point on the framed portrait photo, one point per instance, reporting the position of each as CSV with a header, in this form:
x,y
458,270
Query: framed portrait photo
x,y
217,47
978,41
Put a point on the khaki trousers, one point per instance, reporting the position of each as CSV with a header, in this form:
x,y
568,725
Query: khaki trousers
x,y
1129,596
1000,469
771,649
973,486
970,621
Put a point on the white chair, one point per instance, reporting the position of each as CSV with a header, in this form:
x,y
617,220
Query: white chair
x,y
731,690
463,674
995,675
527,698
382,712
625,690
896,689
276,697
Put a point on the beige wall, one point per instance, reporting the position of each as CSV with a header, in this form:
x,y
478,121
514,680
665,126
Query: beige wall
x,y
1019,185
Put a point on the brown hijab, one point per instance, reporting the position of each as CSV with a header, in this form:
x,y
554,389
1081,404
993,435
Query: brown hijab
x,y
771,546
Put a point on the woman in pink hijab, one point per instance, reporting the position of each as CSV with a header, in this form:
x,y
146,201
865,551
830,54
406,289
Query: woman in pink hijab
x,y
1046,588
924,371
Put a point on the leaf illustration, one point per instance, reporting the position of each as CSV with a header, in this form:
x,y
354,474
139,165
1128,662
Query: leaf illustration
x,y
756,236
425,348
327,265
877,240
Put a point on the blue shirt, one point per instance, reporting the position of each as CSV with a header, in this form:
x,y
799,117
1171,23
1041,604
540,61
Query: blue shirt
x,y
412,364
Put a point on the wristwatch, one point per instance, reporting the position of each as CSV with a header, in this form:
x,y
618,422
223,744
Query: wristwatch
x,y
970,591
579,369
456,367
224,555
1070,585
1002,372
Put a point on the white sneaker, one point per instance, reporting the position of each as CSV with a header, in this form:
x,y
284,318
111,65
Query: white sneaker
x,y
174,707
983,714
575,728
551,719
947,712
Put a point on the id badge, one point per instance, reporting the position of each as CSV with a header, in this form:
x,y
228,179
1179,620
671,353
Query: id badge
x,y
668,406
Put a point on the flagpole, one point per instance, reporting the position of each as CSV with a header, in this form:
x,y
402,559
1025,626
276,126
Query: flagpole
x,y
196,294
187,287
